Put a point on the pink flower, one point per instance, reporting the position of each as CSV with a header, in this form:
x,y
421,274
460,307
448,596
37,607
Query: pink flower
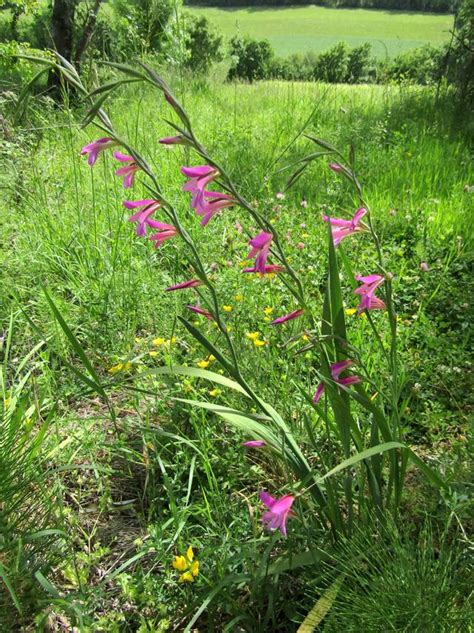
x,y
95,148
260,250
335,167
174,140
300,245
336,371
278,511
280,196
287,317
211,203
142,217
199,178
304,203
254,444
192,283
128,172
199,310
344,228
269,269
424,267
368,300
165,232
302,225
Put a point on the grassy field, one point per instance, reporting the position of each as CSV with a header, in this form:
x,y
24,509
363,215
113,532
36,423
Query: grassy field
x,y
301,29
139,476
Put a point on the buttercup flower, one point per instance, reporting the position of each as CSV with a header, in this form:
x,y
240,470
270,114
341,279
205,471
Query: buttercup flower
x,y
143,216
165,232
260,250
187,565
368,300
254,443
344,228
96,147
336,371
128,171
192,283
287,317
278,511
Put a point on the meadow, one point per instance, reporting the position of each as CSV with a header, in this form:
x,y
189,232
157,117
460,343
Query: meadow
x,y
300,29
134,473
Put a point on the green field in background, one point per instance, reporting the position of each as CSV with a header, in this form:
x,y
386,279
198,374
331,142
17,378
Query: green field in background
x,y
300,29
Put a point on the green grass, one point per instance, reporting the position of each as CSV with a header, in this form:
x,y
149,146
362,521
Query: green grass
x,y
138,487
300,29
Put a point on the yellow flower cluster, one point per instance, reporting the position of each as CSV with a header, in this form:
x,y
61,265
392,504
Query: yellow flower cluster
x,y
255,337
188,567
121,367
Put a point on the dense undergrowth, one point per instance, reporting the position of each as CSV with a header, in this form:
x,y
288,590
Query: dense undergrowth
x,y
135,478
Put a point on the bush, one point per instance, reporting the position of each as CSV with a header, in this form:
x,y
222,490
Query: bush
x,y
251,59
421,65
332,65
358,64
203,45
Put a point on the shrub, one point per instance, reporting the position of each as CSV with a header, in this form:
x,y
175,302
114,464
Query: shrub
x,y
203,45
358,64
251,59
332,65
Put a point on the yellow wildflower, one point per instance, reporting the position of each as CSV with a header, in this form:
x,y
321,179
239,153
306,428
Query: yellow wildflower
x,y
305,337
172,340
253,336
227,308
120,367
202,364
259,343
268,311
215,392
153,353
211,358
350,311
187,565
158,341
238,297
138,339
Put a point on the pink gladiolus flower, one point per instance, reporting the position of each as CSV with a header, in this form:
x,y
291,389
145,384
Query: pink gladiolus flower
x,y
368,300
336,371
211,203
278,511
128,172
335,167
173,140
95,148
165,232
344,228
254,444
287,317
199,310
199,178
260,250
192,283
269,269
143,216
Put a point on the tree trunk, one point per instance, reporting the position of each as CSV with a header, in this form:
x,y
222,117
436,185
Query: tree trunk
x,y
87,33
62,26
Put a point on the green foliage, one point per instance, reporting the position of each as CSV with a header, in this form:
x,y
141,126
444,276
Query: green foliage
x,y
331,66
251,59
203,45
149,18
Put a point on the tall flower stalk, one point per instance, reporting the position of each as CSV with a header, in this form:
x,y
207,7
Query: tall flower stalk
x,y
333,494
